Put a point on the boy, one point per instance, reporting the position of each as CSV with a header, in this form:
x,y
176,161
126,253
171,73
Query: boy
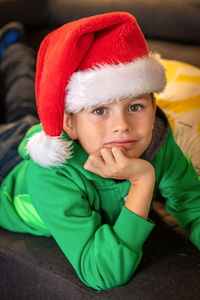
x,y
101,152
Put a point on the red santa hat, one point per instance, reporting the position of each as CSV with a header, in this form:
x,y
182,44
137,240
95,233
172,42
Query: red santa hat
x,y
92,61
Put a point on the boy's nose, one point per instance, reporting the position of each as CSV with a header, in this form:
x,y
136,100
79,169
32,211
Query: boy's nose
x,y
120,124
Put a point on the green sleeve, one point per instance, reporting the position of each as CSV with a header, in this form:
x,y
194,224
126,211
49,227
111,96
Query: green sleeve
x,y
103,256
180,186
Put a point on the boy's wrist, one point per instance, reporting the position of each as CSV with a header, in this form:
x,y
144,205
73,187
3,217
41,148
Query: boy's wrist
x,y
140,195
147,178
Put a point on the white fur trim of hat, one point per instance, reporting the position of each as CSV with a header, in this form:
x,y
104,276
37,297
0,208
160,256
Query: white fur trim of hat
x,y
107,83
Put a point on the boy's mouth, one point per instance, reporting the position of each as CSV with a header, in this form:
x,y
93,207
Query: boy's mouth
x,y
122,143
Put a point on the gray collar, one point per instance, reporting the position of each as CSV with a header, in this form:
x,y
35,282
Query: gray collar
x,y
160,132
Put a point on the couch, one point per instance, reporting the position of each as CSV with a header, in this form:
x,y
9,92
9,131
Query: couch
x,y
34,267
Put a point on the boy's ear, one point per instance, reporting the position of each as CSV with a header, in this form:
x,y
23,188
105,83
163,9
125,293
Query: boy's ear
x,y
68,126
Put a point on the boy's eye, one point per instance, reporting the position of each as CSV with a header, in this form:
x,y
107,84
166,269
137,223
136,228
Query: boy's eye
x,y
100,111
135,107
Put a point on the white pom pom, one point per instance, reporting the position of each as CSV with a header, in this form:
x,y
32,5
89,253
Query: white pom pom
x,y
48,151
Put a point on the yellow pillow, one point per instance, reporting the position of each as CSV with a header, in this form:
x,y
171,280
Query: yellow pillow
x,y
181,103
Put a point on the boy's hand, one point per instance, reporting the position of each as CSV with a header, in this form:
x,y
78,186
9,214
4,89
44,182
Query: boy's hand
x,y
114,163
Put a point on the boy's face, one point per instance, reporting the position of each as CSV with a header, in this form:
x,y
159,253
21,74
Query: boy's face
x,y
127,123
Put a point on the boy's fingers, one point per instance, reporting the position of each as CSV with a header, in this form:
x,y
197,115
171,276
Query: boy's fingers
x,y
107,156
90,166
118,153
96,167
95,160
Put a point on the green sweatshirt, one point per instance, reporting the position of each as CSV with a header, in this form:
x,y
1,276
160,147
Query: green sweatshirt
x,y
86,214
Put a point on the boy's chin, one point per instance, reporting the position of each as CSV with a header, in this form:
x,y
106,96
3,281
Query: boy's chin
x,y
131,153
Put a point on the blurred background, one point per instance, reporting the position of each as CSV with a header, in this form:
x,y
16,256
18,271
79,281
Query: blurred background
x,y
172,27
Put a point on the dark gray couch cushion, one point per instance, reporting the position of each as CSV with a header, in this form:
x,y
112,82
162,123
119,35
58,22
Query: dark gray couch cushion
x,y
174,20
32,13
35,268
188,53
172,26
